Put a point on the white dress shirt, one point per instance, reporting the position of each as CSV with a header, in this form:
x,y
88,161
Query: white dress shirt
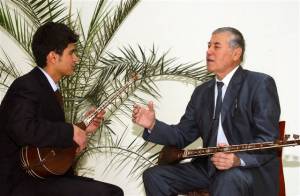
x,y
50,80
221,138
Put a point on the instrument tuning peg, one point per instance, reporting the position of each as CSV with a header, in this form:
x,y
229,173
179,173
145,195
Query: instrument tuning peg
x,y
278,142
286,137
134,76
295,136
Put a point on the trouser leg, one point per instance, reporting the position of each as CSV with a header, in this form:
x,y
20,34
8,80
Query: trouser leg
x,y
66,186
174,179
233,182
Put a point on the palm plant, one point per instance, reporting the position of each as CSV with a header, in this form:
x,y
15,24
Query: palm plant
x,y
100,73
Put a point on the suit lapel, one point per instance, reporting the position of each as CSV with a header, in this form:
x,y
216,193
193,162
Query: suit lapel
x,y
42,79
232,92
46,86
210,101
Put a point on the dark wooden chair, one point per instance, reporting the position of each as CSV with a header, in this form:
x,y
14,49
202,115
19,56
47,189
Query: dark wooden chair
x,y
281,175
204,192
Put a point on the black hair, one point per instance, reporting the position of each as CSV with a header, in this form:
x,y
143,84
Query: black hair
x,y
238,38
49,37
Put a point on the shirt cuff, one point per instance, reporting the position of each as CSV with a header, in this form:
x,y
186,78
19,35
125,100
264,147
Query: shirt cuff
x,y
243,164
150,130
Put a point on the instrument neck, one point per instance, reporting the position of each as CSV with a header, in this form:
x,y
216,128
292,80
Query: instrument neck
x,y
238,148
89,119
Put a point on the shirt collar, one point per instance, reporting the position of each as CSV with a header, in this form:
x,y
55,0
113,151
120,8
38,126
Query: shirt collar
x,y
50,80
228,77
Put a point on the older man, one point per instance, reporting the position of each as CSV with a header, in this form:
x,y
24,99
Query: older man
x,y
236,107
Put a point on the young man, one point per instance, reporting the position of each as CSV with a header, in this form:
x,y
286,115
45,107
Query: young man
x,y
31,115
236,107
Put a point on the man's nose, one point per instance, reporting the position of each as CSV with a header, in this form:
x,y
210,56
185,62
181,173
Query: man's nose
x,y
76,59
209,51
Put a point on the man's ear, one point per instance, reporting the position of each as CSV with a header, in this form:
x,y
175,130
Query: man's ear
x,y
237,53
52,57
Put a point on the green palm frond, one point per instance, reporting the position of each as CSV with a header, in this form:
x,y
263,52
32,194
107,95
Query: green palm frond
x,y
8,72
122,155
41,11
17,27
150,67
103,26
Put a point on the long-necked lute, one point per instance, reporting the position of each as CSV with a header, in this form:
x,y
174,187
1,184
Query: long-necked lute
x,y
172,155
44,162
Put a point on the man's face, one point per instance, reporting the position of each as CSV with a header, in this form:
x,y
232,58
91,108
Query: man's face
x,y
220,57
65,65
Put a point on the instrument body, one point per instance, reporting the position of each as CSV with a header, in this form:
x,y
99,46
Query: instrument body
x,y
42,162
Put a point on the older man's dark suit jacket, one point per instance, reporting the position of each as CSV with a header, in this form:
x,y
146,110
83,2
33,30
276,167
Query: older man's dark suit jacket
x,y
29,115
250,113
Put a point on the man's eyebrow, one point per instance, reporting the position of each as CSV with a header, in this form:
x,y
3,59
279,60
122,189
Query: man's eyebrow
x,y
214,43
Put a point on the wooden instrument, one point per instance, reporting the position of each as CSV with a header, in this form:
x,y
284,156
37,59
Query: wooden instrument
x,y
44,162
172,155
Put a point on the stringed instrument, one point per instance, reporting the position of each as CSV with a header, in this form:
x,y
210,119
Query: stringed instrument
x,y
44,162
172,155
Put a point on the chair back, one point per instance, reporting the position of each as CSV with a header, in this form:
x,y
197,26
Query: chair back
x,y
281,176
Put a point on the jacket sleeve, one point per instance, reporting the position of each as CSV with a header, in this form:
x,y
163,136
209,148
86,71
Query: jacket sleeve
x,y
179,135
265,113
25,126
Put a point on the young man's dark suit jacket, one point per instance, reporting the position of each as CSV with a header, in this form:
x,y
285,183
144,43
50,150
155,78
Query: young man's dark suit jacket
x,y
250,113
29,115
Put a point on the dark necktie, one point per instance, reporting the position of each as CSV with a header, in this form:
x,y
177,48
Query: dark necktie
x,y
59,98
219,101
215,124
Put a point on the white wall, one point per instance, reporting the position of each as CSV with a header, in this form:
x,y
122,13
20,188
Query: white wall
x,y
271,30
